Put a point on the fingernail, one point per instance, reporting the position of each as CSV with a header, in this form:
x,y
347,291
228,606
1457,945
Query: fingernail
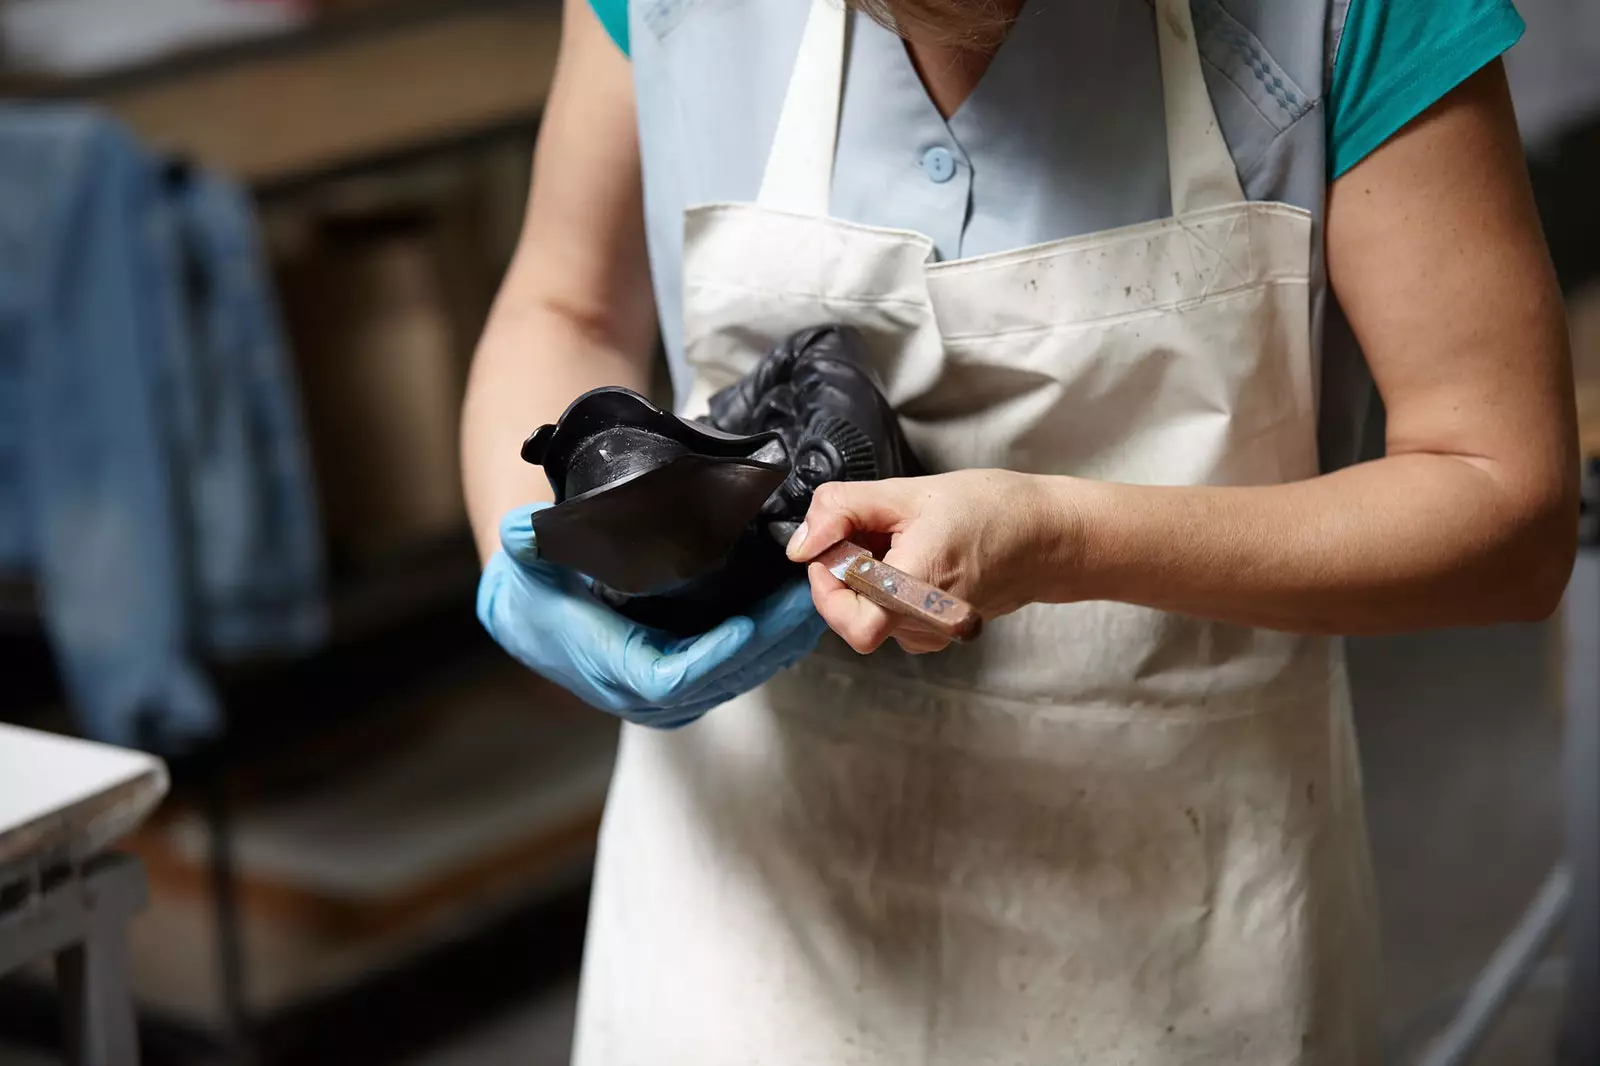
x,y
797,541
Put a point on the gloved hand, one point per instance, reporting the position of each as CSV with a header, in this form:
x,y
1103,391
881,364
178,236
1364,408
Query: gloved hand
x,y
545,616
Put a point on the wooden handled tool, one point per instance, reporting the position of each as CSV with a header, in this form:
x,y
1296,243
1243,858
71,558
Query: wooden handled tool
x,y
897,591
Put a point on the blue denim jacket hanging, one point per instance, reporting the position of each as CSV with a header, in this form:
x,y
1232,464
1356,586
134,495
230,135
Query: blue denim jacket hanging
x,y
153,474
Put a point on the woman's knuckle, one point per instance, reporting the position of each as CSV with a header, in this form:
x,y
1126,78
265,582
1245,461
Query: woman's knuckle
x,y
828,496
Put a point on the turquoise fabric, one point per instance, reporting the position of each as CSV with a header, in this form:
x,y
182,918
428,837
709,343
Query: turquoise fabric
x,y
1396,58
613,15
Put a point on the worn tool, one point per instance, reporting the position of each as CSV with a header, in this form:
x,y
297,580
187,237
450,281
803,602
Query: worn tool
x,y
898,592
892,588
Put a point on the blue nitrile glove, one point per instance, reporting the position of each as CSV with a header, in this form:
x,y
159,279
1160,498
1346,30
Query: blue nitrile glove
x,y
546,617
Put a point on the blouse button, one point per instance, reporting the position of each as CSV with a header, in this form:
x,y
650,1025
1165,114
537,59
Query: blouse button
x,y
939,164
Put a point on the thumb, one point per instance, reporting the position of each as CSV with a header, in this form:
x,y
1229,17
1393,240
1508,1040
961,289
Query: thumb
x,y
843,509
516,533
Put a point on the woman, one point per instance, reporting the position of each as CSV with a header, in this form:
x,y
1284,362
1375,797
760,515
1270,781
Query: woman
x,y
1113,259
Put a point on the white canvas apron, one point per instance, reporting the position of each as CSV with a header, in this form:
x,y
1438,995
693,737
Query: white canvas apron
x,y
1099,834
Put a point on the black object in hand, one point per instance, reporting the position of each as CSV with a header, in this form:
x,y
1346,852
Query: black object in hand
x,y
681,523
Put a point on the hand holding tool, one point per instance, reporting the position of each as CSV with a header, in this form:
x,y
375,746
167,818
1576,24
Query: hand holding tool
x,y
899,593
892,588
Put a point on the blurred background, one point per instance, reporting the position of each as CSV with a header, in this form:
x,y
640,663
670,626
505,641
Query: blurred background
x,y
238,293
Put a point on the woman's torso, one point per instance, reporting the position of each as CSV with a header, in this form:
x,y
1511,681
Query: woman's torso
x,y
1101,833
1062,136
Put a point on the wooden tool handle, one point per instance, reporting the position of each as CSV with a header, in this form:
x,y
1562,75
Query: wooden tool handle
x,y
897,591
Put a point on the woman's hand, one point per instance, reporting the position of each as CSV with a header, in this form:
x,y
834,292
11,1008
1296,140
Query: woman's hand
x,y
983,535
545,616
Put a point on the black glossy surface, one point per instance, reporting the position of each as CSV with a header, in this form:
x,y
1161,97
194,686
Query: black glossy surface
x,y
681,524
659,528
646,501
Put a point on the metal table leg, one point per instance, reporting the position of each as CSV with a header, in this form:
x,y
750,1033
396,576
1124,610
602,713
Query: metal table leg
x,y
1572,890
81,919
1500,980
1580,1039
97,1002
228,923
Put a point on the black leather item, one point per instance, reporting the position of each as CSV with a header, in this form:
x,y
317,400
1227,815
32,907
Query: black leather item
x,y
646,501
817,390
682,524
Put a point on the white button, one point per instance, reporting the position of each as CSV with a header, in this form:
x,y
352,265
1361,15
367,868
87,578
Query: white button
x,y
939,164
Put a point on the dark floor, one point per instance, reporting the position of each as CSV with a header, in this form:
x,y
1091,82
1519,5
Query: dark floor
x,y
1461,751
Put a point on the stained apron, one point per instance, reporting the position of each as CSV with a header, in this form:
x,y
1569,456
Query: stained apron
x,y
1099,834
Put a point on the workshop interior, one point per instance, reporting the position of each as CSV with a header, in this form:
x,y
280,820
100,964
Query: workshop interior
x,y
336,823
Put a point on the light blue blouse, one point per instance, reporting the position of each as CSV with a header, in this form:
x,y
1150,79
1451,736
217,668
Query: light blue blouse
x,y
1063,135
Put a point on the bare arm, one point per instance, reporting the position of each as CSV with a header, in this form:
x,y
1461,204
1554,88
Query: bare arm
x,y
575,310
1436,255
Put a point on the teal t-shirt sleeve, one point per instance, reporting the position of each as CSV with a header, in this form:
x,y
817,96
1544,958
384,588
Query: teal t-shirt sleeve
x,y
1397,58
613,15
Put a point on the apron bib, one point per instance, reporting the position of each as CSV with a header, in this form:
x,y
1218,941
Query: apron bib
x,y
1098,834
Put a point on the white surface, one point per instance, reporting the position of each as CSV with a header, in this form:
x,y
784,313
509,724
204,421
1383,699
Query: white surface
x,y
57,792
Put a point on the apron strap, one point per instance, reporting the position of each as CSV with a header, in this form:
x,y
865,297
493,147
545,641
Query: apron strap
x,y
1201,166
799,174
